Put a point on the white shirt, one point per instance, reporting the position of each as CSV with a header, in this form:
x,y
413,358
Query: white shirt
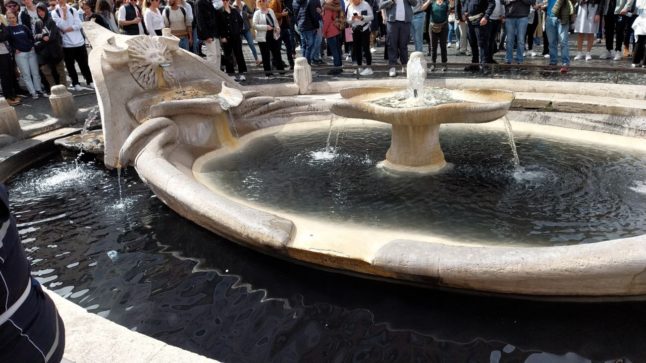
x,y
400,12
498,12
122,17
153,20
34,18
69,18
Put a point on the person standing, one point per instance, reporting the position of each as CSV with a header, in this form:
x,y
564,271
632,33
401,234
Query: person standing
x,y
69,23
267,32
399,14
282,14
153,18
49,48
516,20
131,18
557,27
207,30
246,15
586,25
28,16
104,16
7,73
359,16
439,30
417,24
333,21
179,21
495,23
22,41
639,26
307,18
476,14
230,29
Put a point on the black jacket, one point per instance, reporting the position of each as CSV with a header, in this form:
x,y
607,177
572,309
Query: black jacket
x,y
475,7
229,24
50,51
206,20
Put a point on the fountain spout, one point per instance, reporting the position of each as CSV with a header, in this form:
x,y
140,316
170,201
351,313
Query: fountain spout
x,y
416,74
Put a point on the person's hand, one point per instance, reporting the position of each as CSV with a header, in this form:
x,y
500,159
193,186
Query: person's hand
x,y
624,12
318,10
17,51
69,29
223,40
285,12
483,21
208,40
46,38
597,18
269,27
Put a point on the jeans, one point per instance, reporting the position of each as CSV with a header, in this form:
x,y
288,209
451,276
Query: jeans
x,y
28,65
318,40
335,48
308,40
183,43
558,35
249,38
196,42
516,32
417,28
451,35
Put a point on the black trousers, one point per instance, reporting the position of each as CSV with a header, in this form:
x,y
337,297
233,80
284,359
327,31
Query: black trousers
x,y
479,42
78,55
440,38
233,48
639,52
531,28
361,42
494,28
7,76
615,26
270,49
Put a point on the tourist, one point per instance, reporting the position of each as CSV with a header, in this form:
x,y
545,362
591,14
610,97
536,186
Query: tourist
x,y
22,41
206,15
586,24
516,19
495,24
615,18
399,14
104,16
180,21
476,14
153,18
49,47
417,24
438,30
267,35
247,15
282,14
359,16
532,25
557,28
28,15
7,69
86,11
334,22
30,327
230,28
131,18
74,50
452,25
639,27
307,14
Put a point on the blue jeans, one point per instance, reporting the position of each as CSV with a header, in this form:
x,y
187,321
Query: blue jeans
x,y
196,42
558,34
28,64
249,38
335,48
308,40
451,32
183,43
316,53
417,28
516,33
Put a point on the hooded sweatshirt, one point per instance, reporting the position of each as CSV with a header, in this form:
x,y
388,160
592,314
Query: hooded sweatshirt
x,y
50,51
66,19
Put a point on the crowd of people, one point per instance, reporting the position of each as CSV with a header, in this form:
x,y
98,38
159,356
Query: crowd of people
x,y
45,42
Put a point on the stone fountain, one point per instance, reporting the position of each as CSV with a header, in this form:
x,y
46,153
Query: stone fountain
x,y
175,117
416,114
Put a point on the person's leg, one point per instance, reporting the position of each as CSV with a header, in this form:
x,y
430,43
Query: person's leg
x,y
6,75
62,74
183,43
464,35
249,38
392,36
546,41
551,28
510,26
638,52
196,42
628,33
264,53
22,60
228,57
529,35
493,30
365,42
443,35
620,23
356,47
69,65
521,28
48,72
333,42
609,27
473,42
80,56
564,38
404,36
590,42
34,70
239,56
274,48
434,42
417,27
287,39
579,42
483,42
451,35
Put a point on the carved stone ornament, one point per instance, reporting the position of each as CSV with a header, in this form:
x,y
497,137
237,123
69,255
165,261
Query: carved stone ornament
x,y
149,62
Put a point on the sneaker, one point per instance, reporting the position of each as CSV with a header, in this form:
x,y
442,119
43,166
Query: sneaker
x,y
91,85
358,70
348,58
403,69
588,56
444,68
597,41
242,78
606,55
77,88
617,56
14,101
258,62
34,96
579,56
546,55
392,72
42,94
373,49
634,65
532,53
564,69
433,68
366,72
448,45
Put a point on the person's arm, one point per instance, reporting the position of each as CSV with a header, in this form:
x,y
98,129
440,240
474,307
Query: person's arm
x,y
491,5
626,9
426,5
367,18
412,3
386,4
556,9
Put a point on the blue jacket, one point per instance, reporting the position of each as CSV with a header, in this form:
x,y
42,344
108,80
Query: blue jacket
x,y
307,18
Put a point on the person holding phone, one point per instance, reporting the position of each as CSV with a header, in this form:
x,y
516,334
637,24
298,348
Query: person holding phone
x,y
359,17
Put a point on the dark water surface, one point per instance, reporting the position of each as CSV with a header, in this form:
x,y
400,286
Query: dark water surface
x,y
563,193
137,265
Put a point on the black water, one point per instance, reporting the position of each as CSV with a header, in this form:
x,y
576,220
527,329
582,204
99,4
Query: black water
x,y
135,263
562,194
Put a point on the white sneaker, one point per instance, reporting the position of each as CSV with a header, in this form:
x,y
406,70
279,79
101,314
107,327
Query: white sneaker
x,y
366,72
588,56
532,54
546,56
579,56
348,57
448,45
91,85
373,49
634,65
358,70
617,56
392,72
34,96
78,88
241,77
403,69
606,55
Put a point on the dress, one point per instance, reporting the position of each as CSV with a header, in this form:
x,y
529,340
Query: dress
x,y
584,23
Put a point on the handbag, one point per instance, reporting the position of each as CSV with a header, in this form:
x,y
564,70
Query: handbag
x,y
348,35
437,27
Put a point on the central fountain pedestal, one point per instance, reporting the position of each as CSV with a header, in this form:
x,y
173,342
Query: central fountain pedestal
x,y
415,149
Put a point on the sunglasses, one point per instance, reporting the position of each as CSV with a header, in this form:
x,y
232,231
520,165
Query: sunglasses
x,y
11,5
